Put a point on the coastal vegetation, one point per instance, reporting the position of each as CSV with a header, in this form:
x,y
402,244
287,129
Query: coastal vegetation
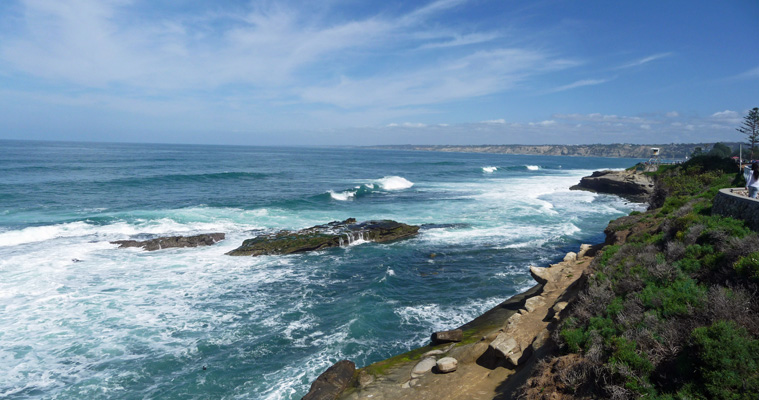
x,y
670,310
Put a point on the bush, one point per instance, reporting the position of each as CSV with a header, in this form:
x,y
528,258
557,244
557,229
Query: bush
x,y
727,359
748,265
674,299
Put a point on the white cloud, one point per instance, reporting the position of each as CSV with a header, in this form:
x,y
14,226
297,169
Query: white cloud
x,y
495,121
727,114
581,83
462,40
477,74
672,114
644,60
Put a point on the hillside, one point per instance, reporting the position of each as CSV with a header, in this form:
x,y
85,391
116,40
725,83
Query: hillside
x,y
670,308
673,151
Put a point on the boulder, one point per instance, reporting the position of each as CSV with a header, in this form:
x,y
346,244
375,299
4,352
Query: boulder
x,y
584,249
331,382
507,347
447,364
570,257
632,185
166,242
333,234
533,303
455,335
424,366
541,275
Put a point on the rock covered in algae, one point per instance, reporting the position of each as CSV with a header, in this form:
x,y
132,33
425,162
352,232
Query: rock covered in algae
x,y
333,234
206,239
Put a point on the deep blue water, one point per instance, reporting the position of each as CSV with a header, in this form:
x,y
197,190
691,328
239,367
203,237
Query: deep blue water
x,y
82,319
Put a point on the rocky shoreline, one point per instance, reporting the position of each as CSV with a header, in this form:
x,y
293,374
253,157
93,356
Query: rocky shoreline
x,y
493,355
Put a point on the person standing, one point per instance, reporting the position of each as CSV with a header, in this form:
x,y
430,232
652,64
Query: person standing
x,y
752,183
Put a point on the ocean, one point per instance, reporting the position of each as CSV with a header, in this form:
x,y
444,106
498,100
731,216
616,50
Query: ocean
x,y
82,319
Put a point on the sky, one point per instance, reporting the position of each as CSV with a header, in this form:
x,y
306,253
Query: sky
x,y
350,72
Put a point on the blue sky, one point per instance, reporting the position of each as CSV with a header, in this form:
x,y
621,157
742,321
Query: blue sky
x,y
360,73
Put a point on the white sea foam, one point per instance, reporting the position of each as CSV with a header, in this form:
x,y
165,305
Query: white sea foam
x,y
489,170
532,167
342,196
394,183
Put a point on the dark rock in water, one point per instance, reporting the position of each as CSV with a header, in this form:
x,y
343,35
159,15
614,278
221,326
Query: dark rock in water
x,y
455,335
331,382
632,185
206,239
333,234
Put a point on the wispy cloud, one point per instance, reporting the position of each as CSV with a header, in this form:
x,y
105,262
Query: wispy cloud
x,y
644,60
750,74
577,84
462,40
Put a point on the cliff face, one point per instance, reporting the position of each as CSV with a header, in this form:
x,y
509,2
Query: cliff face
x,y
667,151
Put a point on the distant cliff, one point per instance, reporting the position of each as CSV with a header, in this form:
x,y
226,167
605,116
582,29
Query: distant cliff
x,y
622,150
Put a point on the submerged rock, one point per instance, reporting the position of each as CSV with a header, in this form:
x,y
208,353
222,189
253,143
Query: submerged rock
x,y
632,185
333,234
206,239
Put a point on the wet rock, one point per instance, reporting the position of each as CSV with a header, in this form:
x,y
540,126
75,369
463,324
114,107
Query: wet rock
x,y
447,364
331,382
173,241
455,335
333,234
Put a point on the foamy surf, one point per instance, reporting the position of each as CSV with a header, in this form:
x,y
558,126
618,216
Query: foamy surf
x,y
532,167
489,170
394,183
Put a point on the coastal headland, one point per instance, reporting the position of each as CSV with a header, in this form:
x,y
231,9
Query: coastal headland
x,y
671,289
671,151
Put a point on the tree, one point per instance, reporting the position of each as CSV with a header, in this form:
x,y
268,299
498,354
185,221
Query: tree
x,y
750,128
720,150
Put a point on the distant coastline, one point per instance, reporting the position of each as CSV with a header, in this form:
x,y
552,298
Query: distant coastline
x,y
672,151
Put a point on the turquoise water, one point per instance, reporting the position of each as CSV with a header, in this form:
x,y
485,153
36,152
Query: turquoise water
x,y
82,319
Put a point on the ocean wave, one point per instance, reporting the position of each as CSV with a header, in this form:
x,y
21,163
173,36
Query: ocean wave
x,y
532,167
394,183
386,184
489,170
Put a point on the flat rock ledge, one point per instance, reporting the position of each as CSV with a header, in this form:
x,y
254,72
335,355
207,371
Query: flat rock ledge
x,y
167,242
333,234
632,185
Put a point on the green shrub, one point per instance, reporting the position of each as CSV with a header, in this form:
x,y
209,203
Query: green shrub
x,y
675,298
608,253
728,361
748,265
575,338
625,352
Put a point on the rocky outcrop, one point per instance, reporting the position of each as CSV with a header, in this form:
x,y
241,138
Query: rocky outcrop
x,y
632,185
333,234
206,239
455,335
331,382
